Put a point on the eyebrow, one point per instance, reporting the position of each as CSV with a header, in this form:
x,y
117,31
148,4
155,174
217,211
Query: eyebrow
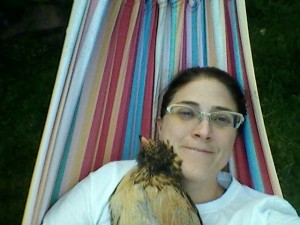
x,y
190,103
214,108
220,108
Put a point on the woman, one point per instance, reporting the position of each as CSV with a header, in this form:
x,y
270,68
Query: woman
x,y
201,115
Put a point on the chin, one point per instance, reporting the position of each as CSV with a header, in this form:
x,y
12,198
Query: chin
x,y
190,171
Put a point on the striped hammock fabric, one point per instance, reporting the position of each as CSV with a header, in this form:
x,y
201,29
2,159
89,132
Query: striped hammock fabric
x,y
118,57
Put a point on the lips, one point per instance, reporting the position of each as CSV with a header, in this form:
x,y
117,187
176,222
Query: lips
x,y
198,149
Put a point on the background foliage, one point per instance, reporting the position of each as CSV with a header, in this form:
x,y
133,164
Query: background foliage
x,y
31,41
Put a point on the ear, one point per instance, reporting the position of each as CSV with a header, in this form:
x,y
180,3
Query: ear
x,y
159,122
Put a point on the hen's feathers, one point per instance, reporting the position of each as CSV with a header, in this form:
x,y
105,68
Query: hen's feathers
x,y
151,193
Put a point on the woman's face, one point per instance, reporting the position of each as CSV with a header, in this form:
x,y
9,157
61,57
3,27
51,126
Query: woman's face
x,y
204,148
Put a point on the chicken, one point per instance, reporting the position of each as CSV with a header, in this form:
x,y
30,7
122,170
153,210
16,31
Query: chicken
x,y
151,193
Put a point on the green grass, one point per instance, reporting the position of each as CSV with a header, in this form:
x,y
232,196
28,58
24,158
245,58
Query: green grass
x,y
28,65
274,33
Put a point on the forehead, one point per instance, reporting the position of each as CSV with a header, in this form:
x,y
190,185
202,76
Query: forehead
x,y
208,93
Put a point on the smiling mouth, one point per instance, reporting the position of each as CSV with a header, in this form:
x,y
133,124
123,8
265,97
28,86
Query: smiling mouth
x,y
198,150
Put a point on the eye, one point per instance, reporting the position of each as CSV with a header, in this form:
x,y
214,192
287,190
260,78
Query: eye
x,y
222,119
185,113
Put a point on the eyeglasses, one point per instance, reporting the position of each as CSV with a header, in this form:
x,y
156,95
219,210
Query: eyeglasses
x,y
218,119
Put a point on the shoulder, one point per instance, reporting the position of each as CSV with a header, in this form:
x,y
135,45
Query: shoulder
x,y
103,181
241,203
86,203
111,173
245,194
116,167
250,199
263,208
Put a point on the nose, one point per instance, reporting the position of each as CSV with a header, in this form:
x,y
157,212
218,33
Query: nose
x,y
202,130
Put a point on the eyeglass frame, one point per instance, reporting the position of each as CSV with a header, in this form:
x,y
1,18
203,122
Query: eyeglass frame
x,y
208,114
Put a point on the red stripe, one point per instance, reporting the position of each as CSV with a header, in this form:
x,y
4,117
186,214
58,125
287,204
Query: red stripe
x,y
148,98
256,139
257,142
230,53
123,113
121,33
100,110
242,164
97,121
242,168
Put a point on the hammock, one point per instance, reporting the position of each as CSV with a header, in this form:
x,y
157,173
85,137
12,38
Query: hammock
x,y
117,58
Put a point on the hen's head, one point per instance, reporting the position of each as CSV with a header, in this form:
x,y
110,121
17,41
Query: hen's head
x,y
158,157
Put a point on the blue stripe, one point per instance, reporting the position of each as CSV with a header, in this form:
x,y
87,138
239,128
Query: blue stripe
x,y
63,163
65,132
174,26
194,37
250,147
133,129
203,33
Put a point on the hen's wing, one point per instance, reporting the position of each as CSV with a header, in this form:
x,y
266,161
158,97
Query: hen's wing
x,y
129,205
173,206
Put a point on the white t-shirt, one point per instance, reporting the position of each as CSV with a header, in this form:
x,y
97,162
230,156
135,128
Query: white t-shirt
x,y
87,202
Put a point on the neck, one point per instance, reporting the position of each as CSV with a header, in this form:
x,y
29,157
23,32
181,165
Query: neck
x,y
202,193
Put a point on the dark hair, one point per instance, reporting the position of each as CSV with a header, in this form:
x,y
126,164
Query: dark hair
x,y
186,76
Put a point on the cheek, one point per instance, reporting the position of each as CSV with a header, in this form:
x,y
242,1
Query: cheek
x,y
232,140
168,131
226,143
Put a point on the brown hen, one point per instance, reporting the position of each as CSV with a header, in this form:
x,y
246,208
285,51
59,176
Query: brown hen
x,y
151,193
